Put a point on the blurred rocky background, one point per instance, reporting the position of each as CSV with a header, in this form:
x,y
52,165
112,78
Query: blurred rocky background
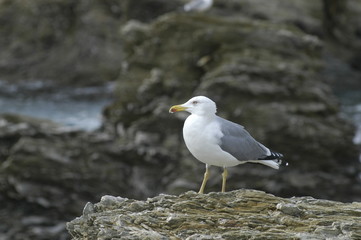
x,y
85,88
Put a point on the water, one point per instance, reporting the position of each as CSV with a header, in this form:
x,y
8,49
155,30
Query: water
x,y
79,114
81,108
78,108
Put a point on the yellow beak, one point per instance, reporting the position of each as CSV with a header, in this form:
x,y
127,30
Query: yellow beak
x,y
177,108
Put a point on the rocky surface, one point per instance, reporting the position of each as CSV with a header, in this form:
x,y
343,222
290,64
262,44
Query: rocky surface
x,y
242,214
59,42
67,42
48,172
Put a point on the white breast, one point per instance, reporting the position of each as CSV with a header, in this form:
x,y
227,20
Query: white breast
x,y
202,136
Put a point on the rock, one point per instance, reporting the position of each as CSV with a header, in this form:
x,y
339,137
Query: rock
x,y
59,42
241,214
13,127
68,42
48,172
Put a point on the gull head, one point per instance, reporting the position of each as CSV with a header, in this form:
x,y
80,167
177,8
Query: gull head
x,y
199,105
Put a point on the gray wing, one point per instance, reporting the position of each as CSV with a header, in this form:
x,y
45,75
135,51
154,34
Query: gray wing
x,y
239,143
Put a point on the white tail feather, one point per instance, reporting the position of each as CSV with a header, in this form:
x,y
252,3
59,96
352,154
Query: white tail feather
x,y
269,163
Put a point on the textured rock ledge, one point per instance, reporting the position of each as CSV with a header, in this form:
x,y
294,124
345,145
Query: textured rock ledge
x,y
241,214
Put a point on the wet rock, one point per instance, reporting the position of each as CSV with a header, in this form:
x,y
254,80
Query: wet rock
x,y
48,172
233,215
13,127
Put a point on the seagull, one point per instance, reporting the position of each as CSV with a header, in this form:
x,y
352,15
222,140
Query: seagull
x,y
198,5
216,141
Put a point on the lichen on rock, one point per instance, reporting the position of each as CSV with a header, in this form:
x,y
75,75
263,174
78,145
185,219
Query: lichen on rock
x,y
241,214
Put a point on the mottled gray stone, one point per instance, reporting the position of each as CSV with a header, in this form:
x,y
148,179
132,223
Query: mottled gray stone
x,y
241,214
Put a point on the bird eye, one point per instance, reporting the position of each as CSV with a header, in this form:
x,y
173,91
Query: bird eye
x,y
195,102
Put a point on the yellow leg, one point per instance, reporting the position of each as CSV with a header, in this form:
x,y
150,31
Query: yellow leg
x,y
224,179
205,179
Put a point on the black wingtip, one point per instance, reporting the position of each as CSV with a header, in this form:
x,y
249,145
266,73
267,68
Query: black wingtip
x,y
277,157
273,156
